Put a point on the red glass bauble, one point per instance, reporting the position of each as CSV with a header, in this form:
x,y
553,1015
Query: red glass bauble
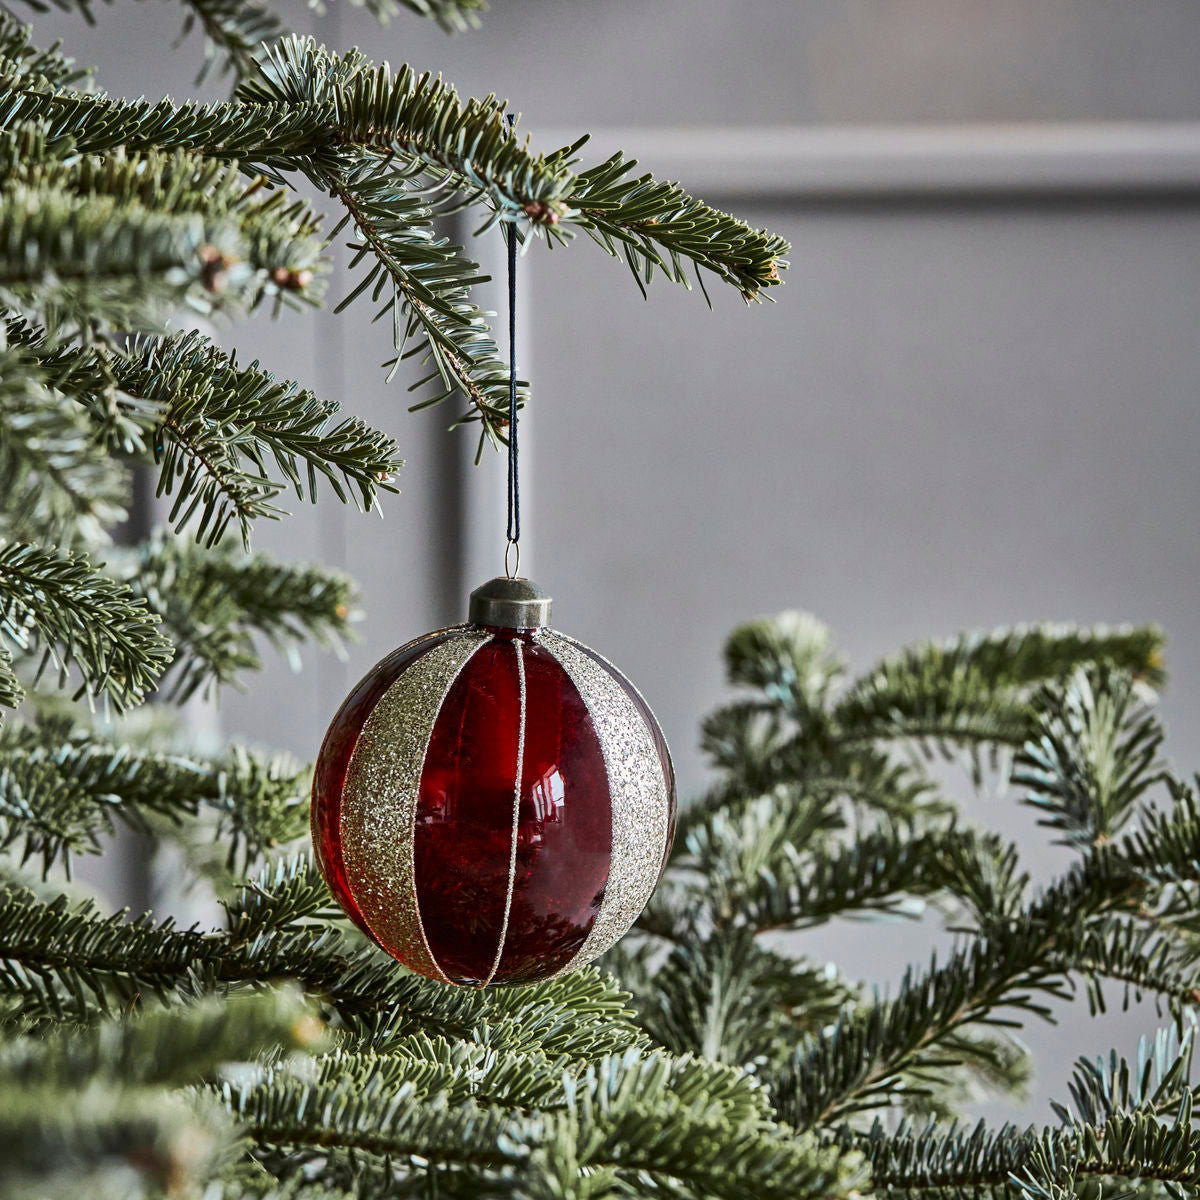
x,y
494,803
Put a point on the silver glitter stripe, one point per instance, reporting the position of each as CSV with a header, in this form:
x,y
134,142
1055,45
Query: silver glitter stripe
x,y
379,800
639,793
617,671
512,856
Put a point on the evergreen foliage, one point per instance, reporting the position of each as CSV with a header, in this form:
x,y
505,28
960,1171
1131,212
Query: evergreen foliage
x,y
273,1052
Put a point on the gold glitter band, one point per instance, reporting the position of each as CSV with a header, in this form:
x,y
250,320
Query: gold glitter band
x,y
639,791
379,800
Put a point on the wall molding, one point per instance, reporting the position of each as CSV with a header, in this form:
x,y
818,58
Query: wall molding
x,y
996,162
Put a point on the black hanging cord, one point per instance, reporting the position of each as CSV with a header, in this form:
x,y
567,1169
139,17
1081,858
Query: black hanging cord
x,y
514,478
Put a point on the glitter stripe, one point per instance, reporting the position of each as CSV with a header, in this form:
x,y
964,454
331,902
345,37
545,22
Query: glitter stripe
x,y
638,790
379,800
512,857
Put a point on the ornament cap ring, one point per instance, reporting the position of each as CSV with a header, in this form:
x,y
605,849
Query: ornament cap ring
x,y
510,604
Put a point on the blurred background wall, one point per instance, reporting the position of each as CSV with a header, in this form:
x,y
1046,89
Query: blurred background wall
x,y
974,403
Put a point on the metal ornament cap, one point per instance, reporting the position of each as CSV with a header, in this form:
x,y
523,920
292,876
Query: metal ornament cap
x,y
504,603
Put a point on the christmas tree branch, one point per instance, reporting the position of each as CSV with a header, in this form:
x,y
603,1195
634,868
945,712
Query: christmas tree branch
x,y
755,874
1091,755
433,316
11,692
214,604
93,231
234,30
215,427
224,424
21,60
61,789
657,226
832,790
454,16
58,959
947,695
98,1110
1017,958
634,1118
57,481
978,681
658,223
1142,958
81,619
278,232
90,256
727,997
1013,1162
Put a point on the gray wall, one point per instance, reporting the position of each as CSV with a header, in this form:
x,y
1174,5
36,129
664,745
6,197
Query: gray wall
x,y
973,404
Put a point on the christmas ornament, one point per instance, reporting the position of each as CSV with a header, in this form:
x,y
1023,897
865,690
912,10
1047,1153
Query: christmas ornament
x,y
494,803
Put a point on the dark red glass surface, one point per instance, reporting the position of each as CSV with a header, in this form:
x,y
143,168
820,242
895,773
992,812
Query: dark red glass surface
x,y
329,776
464,827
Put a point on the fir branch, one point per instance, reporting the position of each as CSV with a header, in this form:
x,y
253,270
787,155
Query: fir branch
x,y
962,1164
290,892
1156,1083
657,226
728,998
63,960
450,1072
216,428
99,1142
1143,959
184,1044
62,789
57,482
278,232
955,694
237,31
412,115
454,16
233,29
100,1110
82,619
222,422
788,657
303,95
11,692
434,319
371,139
1017,963
755,874
92,255
1045,1165
1090,756
21,60
839,786
215,603
647,1120
82,377
269,135
657,1119
67,961
124,239
973,685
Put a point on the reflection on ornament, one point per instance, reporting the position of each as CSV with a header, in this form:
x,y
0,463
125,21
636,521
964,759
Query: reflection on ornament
x,y
494,803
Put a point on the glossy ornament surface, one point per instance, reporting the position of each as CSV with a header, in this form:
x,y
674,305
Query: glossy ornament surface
x,y
494,803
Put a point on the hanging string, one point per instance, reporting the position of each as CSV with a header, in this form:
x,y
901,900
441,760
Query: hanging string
x,y
514,478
